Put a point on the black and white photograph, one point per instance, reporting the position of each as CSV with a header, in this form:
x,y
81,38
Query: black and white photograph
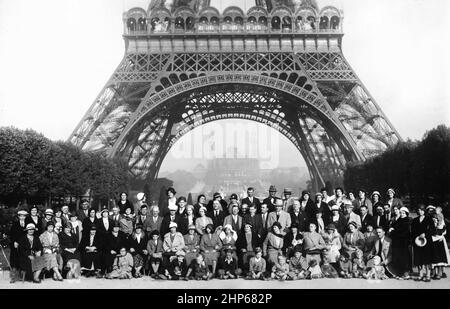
x,y
243,146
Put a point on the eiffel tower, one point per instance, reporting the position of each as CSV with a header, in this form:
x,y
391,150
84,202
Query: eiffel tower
x,y
280,63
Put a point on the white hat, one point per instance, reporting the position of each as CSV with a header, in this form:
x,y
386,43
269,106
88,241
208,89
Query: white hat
x,y
30,226
172,224
65,206
334,207
420,241
405,209
348,203
22,212
431,207
173,207
391,190
140,196
49,212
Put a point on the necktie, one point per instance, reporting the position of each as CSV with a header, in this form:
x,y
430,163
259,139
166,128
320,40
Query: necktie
x,y
217,213
278,217
380,248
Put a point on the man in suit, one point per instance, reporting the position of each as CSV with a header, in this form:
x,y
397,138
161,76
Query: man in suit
x,y
154,222
250,199
234,219
254,219
360,201
83,213
172,217
65,215
216,215
379,219
271,200
298,217
280,216
143,215
382,248
288,200
264,219
217,197
366,218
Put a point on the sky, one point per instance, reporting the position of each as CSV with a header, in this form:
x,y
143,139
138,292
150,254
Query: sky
x,y
56,55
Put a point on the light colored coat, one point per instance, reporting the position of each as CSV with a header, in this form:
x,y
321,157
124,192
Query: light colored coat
x,y
284,220
386,252
177,243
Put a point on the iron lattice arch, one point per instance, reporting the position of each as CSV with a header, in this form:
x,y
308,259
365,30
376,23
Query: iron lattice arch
x,y
297,82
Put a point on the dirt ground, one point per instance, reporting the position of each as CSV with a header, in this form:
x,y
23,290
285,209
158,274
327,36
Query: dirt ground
x,y
148,283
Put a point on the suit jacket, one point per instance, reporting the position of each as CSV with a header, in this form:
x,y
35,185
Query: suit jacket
x,y
81,215
368,219
256,202
256,222
237,227
300,220
284,220
380,221
340,224
386,252
217,220
166,222
150,225
223,203
265,226
268,202
357,205
154,248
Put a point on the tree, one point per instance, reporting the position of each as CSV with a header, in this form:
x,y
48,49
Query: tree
x,y
189,199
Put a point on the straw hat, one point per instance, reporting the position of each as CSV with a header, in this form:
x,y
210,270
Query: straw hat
x,y
420,241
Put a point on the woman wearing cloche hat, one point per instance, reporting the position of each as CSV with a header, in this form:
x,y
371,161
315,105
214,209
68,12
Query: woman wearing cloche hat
x,y
15,234
30,246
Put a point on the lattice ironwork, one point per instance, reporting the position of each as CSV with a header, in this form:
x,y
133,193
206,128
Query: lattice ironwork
x,y
290,77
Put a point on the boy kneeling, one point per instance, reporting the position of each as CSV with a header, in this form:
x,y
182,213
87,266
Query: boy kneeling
x,y
178,267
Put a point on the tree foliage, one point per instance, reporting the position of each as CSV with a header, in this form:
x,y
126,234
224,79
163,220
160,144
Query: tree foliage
x,y
420,169
33,167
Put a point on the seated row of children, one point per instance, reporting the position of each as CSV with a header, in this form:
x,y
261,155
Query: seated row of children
x,y
296,268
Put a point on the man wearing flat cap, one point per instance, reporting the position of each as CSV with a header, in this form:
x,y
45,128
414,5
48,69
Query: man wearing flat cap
x,y
271,200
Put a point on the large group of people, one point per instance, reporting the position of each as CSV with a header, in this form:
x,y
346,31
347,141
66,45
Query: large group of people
x,y
277,238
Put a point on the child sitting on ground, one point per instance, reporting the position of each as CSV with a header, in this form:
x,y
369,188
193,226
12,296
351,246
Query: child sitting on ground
x,y
123,264
314,270
177,268
280,270
358,267
297,266
257,266
228,266
328,270
199,269
345,267
377,271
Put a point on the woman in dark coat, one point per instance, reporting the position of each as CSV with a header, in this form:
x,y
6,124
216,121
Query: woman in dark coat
x,y
246,245
89,222
16,233
68,244
292,240
138,249
400,235
30,249
307,205
423,255
35,219
124,203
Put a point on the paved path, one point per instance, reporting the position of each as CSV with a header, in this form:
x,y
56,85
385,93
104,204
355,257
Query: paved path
x,y
148,283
